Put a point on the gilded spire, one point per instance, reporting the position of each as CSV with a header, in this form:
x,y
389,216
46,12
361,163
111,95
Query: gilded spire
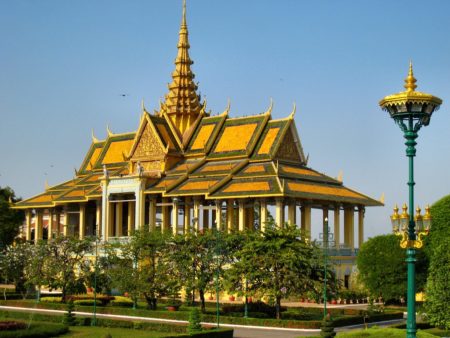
x,y
182,104
410,81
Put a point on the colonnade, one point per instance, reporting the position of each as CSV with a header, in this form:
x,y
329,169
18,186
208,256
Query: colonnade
x,y
120,216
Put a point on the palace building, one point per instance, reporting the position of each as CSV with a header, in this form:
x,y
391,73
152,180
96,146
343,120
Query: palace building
x,y
185,168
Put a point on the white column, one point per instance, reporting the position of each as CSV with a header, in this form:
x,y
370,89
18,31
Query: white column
x,y
131,217
292,213
263,215
98,218
241,215
175,217
361,211
196,213
28,224
230,214
218,213
279,213
139,208
82,220
66,223
349,233
306,220
187,215
165,215
38,226
337,225
51,224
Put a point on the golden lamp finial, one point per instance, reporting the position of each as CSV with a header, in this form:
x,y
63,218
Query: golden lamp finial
x,y
410,81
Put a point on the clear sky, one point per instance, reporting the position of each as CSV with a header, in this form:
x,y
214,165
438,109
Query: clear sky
x,y
64,66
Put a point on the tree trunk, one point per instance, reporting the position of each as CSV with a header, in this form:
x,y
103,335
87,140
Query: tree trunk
x,y
202,299
151,301
278,307
193,297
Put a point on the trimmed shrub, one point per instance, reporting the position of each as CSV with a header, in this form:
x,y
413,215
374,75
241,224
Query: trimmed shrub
x,y
11,325
121,301
37,330
69,316
194,321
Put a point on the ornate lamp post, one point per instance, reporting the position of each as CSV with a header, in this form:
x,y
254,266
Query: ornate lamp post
x,y
327,239
410,110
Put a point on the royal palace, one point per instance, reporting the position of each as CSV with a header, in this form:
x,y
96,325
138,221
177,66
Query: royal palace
x,y
186,168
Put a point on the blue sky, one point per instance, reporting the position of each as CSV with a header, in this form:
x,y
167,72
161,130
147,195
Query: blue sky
x,y
64,65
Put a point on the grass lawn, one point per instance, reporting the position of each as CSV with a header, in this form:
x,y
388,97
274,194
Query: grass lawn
x,y
100,332
376,332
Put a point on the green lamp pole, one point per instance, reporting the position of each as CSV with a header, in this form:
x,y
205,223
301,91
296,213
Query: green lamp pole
x,y
410,110
94,321
327,239
218,252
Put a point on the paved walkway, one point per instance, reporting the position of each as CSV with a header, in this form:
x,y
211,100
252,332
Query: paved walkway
x,y
240,331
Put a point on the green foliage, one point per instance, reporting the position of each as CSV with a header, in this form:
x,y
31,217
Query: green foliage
x,y
376,332
198,258
382,267
327,328
141,267
65,256
194,325
37,330
69,316
10,219
13,264
275,263
438,293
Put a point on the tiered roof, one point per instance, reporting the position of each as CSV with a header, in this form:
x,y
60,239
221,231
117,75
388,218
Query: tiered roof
x,y
182,151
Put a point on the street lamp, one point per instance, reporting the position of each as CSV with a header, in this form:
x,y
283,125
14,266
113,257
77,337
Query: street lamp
x,y
94,322
327,239
410,110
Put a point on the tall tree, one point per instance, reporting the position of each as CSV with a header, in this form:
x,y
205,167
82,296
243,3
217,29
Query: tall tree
x,y
65,264
382,268
437,290
275,263
10,219
13,263
141,267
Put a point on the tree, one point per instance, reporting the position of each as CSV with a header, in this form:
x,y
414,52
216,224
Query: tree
x,y
10,219
193,259
382,268
35,269
65,266
13,263
437,247
275,263
141,266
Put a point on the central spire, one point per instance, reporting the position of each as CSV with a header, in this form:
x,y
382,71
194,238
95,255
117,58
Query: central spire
x,y
182,104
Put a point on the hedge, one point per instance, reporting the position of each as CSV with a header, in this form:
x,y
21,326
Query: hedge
x,y
37,330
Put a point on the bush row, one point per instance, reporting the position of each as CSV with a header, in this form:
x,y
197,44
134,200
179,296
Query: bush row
x,y
37,330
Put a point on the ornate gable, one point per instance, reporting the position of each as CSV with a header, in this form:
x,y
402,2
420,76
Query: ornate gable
x,y
290,148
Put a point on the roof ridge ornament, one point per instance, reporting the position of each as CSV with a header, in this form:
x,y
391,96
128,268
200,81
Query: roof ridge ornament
x,y
294,109
94,139
269,110
410,81
109,132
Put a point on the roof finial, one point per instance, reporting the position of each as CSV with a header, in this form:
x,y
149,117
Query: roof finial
x,y
410,81
183,20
